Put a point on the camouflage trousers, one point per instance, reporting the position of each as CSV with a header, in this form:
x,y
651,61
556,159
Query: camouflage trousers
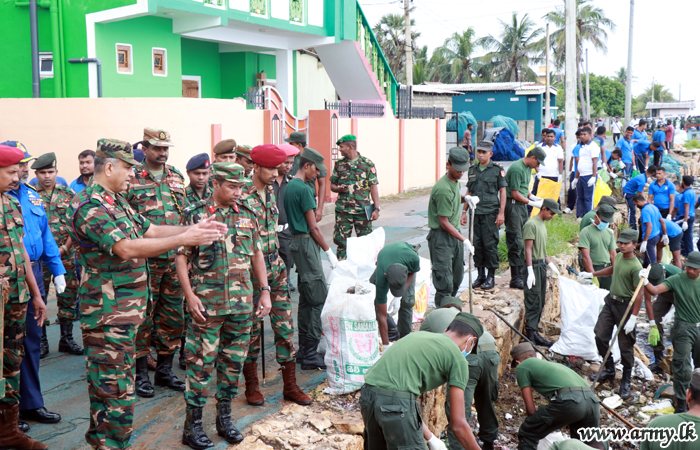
x,y
66,300
221,342
109,358
14,329
164,315
280,316
344,223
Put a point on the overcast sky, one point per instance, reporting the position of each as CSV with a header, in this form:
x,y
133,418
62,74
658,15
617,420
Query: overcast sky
x,y
664,33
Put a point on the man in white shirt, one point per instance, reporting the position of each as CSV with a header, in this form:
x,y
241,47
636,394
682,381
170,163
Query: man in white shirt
x,y
635,121
616,128
585,179
554,160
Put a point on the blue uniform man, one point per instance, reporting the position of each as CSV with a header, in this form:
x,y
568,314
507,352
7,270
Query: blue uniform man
x,y
625,146
634,186
86,164
41,247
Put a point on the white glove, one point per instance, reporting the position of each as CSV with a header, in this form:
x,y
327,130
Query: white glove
x,y
559,178
394,306
585,278
530,277
664,239
539,176
436,444
669,217
631,322
534,198
643,247
555,271
665,152
332,258
471,200
536,203
612,175
685,226
591,181
644,274
574,182
622,165
60,283
467,248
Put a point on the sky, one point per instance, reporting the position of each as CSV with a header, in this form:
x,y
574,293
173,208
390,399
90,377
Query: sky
x,y
663,45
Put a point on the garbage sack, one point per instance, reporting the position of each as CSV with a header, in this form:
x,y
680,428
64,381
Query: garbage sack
x,y
422,290
601,190
547,189
350,333
361,257
550,439
640,370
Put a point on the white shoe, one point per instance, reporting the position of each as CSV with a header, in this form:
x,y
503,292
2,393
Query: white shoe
x,y
567,211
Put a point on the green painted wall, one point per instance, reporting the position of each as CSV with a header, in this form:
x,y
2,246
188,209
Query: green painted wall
x,y
239,71
200,58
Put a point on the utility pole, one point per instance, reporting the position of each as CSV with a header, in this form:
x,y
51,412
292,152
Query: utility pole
x,y
34,38
407,42
546,72
628,87
570,85
588,91
652,89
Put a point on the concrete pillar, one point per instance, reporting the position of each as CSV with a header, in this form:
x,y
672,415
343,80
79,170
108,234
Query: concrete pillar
x,y
285,76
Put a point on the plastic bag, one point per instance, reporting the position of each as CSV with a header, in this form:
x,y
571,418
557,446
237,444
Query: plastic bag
x,y
361,257
422,290
547,189
350,333
550,439
601,189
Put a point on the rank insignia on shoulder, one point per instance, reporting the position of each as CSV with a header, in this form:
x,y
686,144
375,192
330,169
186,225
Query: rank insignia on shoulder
x,y
374,170
144,173
212,209
503,173
109,199
244,223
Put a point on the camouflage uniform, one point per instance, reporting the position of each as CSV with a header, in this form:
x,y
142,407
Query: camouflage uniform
x,y
12,271
281,312
56,204
113,296
192,196
222,281
162,202
359,175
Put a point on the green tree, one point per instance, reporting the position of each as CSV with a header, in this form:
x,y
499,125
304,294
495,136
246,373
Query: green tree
x,y
607,96
512,53
621,75
422,69
661,94
455,63
391,37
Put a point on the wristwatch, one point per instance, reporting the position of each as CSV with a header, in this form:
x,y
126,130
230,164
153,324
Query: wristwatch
x,y
266,288
377,208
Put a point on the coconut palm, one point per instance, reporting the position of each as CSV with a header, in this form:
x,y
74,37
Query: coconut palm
x,y
456,63
661,94
512,53
390,35
621,75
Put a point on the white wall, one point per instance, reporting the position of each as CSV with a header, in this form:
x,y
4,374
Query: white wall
x,y
313,85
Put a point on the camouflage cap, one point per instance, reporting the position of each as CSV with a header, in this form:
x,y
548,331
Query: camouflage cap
x,y
158,137
229,172
244,150
45,161
346,138
225,146
114,148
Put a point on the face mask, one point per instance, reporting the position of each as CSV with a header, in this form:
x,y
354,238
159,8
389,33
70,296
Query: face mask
x,y
466,353
602,226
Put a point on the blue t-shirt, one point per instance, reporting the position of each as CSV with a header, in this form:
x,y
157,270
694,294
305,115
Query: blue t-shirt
x,y
574,154
672,228
686,197
636,184
662,193
659,136
651,215
640,135
59,180
641,148
559,132
626,147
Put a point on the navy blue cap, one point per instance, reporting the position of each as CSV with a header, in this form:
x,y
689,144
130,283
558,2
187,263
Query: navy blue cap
x,y
16,144
198,162
138,155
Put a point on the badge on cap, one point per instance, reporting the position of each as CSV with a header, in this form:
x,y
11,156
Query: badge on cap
x,y
206,164
161,136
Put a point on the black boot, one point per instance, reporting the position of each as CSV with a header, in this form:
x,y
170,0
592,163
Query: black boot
x,y
193,433
224,424
655,367
44,345
516,278
681,406
608,373
144,388
481,278
312,360
539,340
67,344
625,384
164,374
489,282
487,446
181,360
301,350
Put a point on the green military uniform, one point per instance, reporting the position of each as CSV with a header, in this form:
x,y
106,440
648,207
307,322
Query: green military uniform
x,y
662,304
191,196
685,440
518,179
571,401
599,243
586,220
569,444
536,231
359,175
404,254
113,294
310,183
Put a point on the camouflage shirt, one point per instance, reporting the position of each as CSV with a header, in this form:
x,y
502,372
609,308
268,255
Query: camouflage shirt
x,y
192,196
359,174
161,202
221,272
112,291
56,204
267,212
12,250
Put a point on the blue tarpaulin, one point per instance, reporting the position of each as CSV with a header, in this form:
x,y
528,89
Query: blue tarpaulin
x,y
505,148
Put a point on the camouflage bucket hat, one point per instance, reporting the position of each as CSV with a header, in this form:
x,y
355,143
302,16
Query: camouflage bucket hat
x,y
157,137
229,172
113,148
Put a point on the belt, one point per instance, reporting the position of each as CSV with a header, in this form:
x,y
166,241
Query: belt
x,y
573,389
692,324
515,202
389,392
270,258
487,346
281,228
538,261
301,235
619,298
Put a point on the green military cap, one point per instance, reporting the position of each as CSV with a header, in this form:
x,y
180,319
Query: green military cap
x,y
298,137
396,275
486,146
606,213
472,321
538,153
656,274
225,146
114,148
315,157
45,161
244,150
229,172
551,205
346,138
459,158
693,260
608,200
521,348
695,378
627,235
157,137
448,301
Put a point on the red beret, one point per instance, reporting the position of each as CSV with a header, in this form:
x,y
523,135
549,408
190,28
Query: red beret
x,y
10,155
289,149
268,155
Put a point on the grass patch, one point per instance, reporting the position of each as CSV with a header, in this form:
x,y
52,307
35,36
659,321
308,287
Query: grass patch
x,y
561,232
408,194
692,144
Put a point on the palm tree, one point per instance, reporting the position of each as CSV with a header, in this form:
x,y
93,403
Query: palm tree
x,y
510,57
390,35
661,94
591,26
421,67
621,75
457,64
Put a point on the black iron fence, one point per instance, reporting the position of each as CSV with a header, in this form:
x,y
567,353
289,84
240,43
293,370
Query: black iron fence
x,y
352,109
406,110
255,99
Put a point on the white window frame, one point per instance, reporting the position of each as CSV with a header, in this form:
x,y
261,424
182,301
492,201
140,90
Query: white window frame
x,y
198,79
42,57
165,65
131,58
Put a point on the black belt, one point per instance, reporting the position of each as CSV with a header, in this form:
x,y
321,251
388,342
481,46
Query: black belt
x,y
390,393
538,261
301,235
619,298
515,202
270,258
573,389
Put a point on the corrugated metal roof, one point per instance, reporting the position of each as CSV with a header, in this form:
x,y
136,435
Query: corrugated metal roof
x,y
433,89
690,104
520,88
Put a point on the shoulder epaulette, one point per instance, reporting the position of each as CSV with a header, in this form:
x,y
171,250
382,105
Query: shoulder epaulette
x,y
30,187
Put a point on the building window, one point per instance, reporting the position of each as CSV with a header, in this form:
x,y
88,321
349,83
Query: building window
x,y
160,67
124,59
296,11
258,7
45,65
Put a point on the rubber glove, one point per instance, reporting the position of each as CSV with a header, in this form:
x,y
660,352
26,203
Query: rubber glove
x,y
471,200
332,258
665,152
669,217
536,203
530,277
394,306
585,278
559,178
539,176
467,248
534,198
591,181
685,226
612,175
631,323
60,283
643,247
654,335
574,182
555,271
644,273
664,239
622,165
436,444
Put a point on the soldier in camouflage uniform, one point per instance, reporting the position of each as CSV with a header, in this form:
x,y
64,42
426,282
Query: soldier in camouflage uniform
x,y
243,158
112,243
199,173
259,195
220,300
57,199
14,273
157,191
354,178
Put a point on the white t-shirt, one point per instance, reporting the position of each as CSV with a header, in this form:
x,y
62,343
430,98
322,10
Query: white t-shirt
x,y
551,163
616,127
634,123
585,161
